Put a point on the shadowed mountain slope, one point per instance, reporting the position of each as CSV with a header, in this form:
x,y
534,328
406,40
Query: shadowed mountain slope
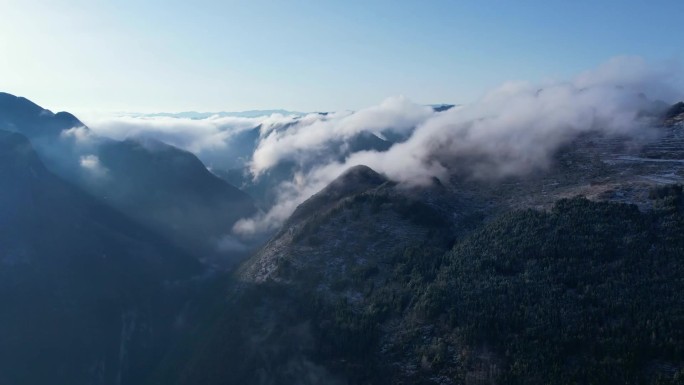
x,y
158,185
87,294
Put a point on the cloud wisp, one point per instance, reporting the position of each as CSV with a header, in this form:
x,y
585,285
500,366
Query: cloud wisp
x,y
92,164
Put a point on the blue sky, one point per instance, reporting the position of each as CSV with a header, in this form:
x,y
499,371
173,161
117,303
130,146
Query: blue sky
x,y
172,55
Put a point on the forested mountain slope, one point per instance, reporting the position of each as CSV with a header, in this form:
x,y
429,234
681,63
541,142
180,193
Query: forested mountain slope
x,y
377,286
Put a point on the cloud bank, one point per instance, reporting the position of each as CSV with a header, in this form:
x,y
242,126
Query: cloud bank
x,y
315,132
194,135
511,131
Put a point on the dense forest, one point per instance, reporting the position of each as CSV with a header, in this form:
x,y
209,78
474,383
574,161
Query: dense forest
x,y
584,293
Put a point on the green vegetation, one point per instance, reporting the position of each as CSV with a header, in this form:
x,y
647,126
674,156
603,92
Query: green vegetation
x,y
586,293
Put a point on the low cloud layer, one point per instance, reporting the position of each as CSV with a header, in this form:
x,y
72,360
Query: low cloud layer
x,y
511,131
196,135
315,132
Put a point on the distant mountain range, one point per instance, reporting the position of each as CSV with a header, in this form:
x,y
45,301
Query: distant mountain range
x,y
245,114
205,115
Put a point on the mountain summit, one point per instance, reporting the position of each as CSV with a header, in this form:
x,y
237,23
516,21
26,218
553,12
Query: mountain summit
x,y
22,115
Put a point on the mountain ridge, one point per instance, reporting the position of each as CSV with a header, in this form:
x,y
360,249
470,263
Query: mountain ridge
x,y
177,184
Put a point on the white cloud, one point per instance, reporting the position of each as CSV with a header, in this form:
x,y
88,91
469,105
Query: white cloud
x,y
512,131
196,135
80,134
315,132
92,164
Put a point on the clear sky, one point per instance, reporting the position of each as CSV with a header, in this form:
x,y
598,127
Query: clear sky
x,y
149,55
